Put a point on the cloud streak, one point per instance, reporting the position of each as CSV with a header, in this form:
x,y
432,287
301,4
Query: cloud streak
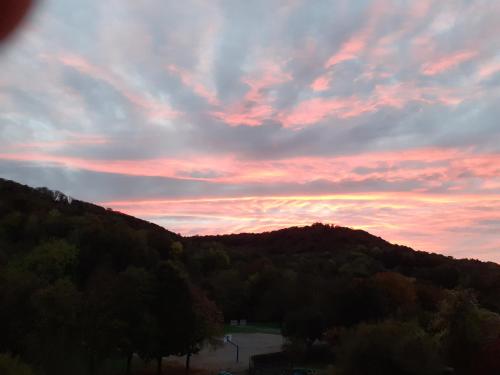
x,y
249,116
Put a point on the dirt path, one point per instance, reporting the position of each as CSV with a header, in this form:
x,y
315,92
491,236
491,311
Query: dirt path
x,y
224,358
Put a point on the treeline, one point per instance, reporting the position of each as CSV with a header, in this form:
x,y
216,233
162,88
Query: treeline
x,y
377,308
81,286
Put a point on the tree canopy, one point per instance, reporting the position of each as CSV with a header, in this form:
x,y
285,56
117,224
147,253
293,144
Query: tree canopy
x,y
81,285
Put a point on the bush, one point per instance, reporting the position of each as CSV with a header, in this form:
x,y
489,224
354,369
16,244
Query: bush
x,y
13,366
388,348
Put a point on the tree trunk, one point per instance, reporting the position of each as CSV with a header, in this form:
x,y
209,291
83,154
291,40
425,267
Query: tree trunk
x,y
309,344
91,364
188,358
158,367
129,362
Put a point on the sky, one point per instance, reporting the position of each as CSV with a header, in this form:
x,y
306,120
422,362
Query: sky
x,y
242,116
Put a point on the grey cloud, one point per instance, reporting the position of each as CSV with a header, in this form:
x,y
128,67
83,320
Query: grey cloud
x,y
104,102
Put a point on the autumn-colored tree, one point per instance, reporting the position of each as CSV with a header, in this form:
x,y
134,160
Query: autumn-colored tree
x,y
397,291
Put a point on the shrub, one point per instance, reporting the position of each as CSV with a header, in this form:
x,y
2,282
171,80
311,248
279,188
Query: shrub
x,y
388,348
13,366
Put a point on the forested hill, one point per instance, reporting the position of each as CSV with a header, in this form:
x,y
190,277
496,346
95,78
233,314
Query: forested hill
x,y
330,252
23,199
112,285
32,216
336,241
312,238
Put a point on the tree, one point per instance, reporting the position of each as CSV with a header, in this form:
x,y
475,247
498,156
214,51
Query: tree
x,y
307,324
388,348
171,313
207,323
55,342
132,294
397,291
349,302
100,327
52,260
230,292
467,332
488,359
176,249
17,314
211,258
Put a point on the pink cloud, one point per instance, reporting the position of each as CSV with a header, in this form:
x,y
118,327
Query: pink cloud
x,y
432,166
348,51
256,106
239,115
67,140
314,110
446,63
188,80
357,45
397,95
269,75
420,9
321,83
489,69
160,167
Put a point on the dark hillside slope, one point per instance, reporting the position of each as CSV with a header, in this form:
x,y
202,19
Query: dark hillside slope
x,y
312,238
362,253
25,199
33,216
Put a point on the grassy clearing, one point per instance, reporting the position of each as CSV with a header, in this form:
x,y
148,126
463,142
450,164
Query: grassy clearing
x,y
272,328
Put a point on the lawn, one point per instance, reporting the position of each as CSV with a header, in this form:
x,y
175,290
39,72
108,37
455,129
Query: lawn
x,y
272,328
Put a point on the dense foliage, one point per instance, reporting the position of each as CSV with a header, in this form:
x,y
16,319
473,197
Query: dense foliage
x,y
376,305
80,285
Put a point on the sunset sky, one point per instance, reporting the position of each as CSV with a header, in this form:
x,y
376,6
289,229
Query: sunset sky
x,y
227,116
